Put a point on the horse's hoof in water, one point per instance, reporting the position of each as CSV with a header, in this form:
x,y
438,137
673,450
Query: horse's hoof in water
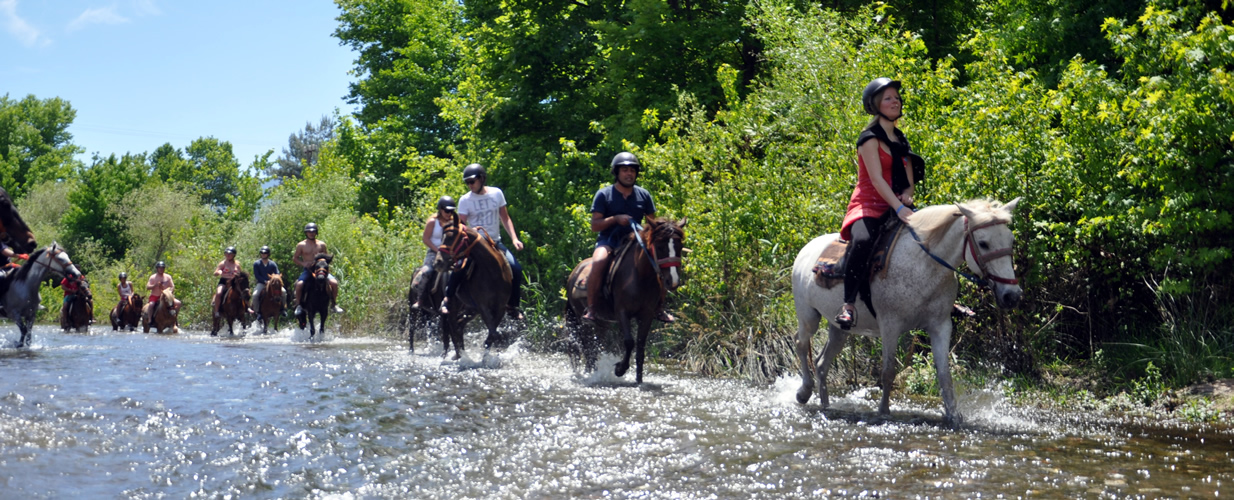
x,y
620,369
804,393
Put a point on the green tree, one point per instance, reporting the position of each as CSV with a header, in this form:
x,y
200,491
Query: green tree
x,y
105,182
35,144
303,149
209,169
155,217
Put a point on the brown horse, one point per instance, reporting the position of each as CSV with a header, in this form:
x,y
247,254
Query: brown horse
x,y
641,274
159,314
423,317
13,230
316,298
484,288
78,313
272,300
233,304
127,313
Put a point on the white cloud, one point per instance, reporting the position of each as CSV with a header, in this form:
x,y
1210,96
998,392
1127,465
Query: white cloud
x,y
16,26
146,8
102,15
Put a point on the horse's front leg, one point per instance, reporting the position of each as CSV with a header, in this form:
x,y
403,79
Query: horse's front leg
x,y
644,328
623,322
940,345
807,324
890,340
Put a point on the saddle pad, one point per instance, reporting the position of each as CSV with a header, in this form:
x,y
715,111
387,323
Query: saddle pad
x,y
584,275
829,271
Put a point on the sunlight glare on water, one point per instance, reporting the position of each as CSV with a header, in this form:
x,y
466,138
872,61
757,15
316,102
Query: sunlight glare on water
x,y
146,416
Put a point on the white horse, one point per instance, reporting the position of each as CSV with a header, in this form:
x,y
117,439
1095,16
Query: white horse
x,y
917,292
21,300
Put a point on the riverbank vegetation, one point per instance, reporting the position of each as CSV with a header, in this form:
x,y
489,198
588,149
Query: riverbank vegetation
x,y
1110,119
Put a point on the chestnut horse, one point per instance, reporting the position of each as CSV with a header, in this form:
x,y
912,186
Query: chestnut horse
x,y
649,266
484,289
316,298
160,314
127,313
272,300
233,304
79,312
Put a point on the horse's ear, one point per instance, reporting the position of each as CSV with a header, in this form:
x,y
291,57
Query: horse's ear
x,y
1010,206
964,210
683,222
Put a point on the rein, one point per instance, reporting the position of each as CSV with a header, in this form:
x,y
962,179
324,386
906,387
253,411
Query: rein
x,y
970,247
457,248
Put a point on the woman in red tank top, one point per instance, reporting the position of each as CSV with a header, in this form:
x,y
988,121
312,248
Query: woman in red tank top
x,y
880,146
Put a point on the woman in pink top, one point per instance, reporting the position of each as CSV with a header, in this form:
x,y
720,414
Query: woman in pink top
x,y
227,269
884,183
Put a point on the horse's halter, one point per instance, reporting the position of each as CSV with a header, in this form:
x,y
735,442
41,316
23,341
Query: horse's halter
x,y
320,272
970,247
667,265
462,244
57,254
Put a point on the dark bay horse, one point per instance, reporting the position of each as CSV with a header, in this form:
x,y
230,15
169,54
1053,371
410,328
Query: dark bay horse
x,y
160,314
272,300
316,299
484,289
127,313
421,318
640,277
233,304
13,230
21,299
79,312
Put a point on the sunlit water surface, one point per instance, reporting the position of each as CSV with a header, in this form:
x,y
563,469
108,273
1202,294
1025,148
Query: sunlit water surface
x,y
146,416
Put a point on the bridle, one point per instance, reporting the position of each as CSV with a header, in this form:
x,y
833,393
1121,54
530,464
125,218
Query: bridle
x,y
666,262
462,244
53,252
983,259
970,248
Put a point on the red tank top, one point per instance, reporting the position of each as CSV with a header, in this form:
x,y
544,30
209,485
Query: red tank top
x,y
866,202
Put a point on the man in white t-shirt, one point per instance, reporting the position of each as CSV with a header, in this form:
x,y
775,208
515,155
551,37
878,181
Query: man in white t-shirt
x,y
485,206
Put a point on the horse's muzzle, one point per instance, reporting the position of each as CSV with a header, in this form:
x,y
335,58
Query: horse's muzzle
x,y
1008,297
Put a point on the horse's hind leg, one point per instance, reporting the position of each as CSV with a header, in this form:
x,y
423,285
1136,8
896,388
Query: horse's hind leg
x,y
644,328
836,338
807,324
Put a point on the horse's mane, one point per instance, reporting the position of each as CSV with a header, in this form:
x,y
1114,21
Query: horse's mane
x,y
932,223
24,271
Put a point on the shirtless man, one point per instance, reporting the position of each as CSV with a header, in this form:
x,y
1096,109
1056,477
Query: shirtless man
x,y
303,257
158,282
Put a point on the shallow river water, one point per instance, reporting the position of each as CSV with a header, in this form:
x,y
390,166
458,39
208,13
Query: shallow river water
x,y
119,415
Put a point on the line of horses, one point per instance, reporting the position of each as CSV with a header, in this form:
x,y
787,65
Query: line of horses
x,y
917,291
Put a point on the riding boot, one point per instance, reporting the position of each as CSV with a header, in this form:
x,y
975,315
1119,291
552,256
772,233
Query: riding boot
x,y
592,299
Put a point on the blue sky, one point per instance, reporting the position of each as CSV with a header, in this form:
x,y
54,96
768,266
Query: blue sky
x,y
141,73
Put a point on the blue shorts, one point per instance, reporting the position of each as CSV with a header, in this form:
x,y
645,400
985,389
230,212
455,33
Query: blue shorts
x,y
611,241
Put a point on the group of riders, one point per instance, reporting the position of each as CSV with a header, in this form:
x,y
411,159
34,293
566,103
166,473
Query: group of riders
x,y
227,270
887,174
615,211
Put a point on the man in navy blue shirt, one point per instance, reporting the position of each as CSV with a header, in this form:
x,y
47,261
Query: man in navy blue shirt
x,y
612,211
262,269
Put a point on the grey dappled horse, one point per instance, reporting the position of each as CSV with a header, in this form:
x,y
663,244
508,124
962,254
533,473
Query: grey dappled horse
x,y
916,293
21,300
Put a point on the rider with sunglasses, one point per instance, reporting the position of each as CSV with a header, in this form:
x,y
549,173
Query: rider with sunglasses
x,y
485,206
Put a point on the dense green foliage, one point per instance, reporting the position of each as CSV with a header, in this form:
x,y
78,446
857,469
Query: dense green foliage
x,y
1110,120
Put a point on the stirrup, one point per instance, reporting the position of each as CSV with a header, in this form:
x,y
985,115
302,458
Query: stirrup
x,y
960,311
846,318
589,316
665,317
445,307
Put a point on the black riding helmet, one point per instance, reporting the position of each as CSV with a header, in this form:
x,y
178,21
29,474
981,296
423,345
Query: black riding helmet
x,y
265,250
160,265
626,159
124,276
474,170
873,90
446,203
312,226
229,251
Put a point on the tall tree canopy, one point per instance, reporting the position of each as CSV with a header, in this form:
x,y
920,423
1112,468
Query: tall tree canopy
x,y
35,144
